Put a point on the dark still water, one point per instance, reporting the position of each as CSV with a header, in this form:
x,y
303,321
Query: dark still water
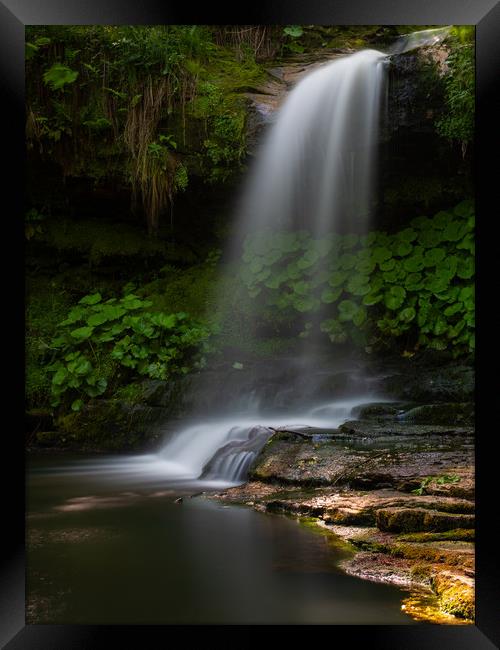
x,y
107,544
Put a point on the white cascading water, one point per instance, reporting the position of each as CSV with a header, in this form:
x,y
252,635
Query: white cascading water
x,y
316,171
317,167
422,38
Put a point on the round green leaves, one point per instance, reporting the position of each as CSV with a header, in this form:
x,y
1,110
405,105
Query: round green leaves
x,y
394,297
410,281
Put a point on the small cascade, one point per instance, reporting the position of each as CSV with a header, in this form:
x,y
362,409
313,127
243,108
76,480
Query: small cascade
x,y
421,38
232,461
223,449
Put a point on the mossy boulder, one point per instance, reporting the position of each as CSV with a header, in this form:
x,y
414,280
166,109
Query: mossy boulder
x,y
378,410
456,594
411,454
111,425
451,553
419,519
456,535
444,384
441,414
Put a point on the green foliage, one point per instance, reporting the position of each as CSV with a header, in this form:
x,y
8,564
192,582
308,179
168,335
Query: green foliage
x,y
58,76
181,178
97,241
187,290
293,32
99,336
372,289
47,303
438,480
458,121
224,116
146,105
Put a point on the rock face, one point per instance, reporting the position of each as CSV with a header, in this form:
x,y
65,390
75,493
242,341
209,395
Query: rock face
x,y
411,104
267,98
110,425
449,384
459,413
405,520
371,458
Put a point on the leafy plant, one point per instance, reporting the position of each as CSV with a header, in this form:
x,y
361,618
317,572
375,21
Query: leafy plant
x,y
181,178
294,32
224,116
458,121
99,335
59,75
376,288
439,480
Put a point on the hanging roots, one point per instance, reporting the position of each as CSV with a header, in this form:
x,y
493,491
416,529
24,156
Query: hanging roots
x,y
152,173
262,40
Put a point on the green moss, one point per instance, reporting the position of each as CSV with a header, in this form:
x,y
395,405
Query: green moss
x,y
231,74
190,290
368,544
455,596
420,572
458,535
47,304
440,555
333,540
97,239
109,425
131,393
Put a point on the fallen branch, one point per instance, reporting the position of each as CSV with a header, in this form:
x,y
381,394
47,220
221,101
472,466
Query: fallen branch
x,y
296,433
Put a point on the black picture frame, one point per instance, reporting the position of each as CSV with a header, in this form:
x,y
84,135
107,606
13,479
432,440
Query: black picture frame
x,y
14,15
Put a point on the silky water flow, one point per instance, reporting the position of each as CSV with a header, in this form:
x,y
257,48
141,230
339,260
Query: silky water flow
x,y
315,171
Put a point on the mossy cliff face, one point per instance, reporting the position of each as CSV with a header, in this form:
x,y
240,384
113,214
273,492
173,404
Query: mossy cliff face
x,y
107,425
418,174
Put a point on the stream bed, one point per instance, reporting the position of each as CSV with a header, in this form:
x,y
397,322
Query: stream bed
x,y
107,543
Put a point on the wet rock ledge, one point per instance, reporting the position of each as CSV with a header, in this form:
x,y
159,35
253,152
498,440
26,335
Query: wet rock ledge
x,y
397,485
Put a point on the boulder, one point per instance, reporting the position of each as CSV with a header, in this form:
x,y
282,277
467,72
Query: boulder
x,y
420,519
452,383
461,414
111,425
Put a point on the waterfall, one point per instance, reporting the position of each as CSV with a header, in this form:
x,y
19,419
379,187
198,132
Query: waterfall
x,y
421,38
315,171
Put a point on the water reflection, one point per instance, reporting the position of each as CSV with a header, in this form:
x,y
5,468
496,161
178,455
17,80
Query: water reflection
x,y
103,552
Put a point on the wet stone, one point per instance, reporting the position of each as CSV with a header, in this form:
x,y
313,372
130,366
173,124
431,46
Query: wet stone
x,y
420,519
